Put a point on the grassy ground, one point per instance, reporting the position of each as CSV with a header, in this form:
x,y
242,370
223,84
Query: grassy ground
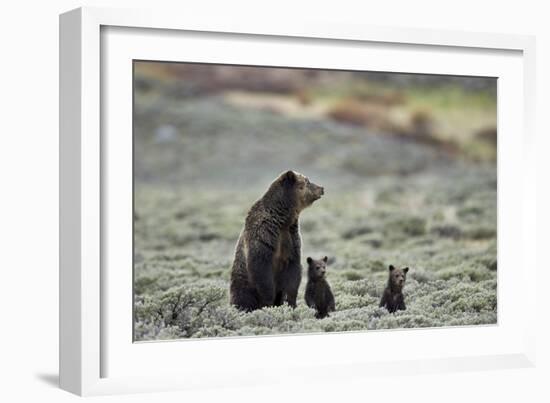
x,y
201,162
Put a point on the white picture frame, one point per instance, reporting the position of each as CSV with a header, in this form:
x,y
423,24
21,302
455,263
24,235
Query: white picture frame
x,y
96,354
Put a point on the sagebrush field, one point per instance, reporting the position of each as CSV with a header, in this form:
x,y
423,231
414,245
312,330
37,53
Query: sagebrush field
x,y
201,159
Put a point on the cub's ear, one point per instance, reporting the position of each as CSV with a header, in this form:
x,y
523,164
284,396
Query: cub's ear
x,y
325,259
406,269
309,260
288,178
392,268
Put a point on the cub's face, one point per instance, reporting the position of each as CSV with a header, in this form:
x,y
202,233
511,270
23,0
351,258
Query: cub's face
x,y
398,276
317,268
306,191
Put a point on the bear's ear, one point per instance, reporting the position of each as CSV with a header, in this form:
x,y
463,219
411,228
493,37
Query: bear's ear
x,y
288,178
392,268
406,269
309,260
325,259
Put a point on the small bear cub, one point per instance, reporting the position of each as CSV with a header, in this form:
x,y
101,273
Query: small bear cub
x,y
318,293
393,298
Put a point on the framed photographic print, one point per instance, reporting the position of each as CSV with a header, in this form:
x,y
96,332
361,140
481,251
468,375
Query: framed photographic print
x,y
236,197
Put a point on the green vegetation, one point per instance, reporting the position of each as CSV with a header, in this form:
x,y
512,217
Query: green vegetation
x,y
183,260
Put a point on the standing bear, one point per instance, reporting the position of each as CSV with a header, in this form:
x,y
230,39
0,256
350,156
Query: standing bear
x,y
267,270
318,293
392,298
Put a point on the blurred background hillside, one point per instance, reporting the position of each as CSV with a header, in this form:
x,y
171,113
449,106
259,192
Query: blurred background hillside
x,y
408,163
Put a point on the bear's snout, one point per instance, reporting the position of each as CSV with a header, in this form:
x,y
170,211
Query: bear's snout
x,y
318,190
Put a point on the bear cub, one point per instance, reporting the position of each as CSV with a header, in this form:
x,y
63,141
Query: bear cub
x,y
393,299
318,293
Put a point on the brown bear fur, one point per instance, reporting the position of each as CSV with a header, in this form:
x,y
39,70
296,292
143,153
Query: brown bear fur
x,y
318,293
266,269
393,299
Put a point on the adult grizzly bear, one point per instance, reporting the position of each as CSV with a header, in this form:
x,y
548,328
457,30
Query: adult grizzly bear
x,y
267,270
